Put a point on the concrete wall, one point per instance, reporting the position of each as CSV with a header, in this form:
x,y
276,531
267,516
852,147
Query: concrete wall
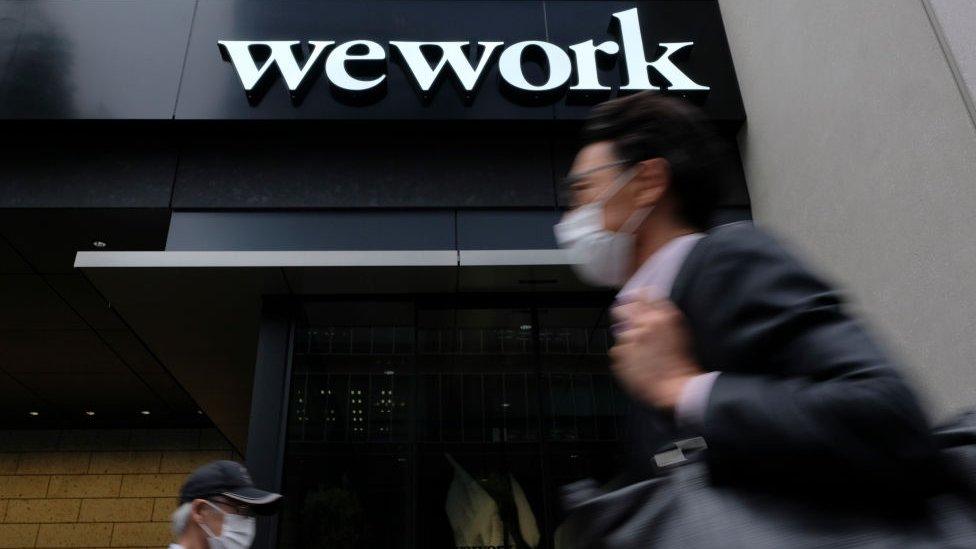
x,y
954,20
110,488
860,149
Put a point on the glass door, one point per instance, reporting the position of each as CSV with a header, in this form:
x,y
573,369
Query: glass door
x,y
349,459
480,469
446,421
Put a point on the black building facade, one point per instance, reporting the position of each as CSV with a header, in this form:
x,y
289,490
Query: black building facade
x,y
325,228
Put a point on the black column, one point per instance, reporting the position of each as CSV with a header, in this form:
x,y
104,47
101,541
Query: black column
x,y
269,409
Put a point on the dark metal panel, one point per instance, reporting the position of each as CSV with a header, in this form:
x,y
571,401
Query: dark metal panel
x,y
202,325
374,280
506,230
132,351
16,402
87,175
11,261
460,172
28,303
103,59
113,395
164,385
85,300
57,352
49,238
342,230
92,58
211,88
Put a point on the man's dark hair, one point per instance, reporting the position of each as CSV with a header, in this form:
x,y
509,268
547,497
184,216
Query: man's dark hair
x,y
647,125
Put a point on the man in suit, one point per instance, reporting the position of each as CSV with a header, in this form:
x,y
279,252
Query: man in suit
x,y
722,333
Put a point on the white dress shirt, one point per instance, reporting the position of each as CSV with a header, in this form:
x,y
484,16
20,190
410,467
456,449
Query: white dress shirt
x,y
655,279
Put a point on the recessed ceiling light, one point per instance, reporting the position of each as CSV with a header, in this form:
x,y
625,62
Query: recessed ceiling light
x,y
99,244
89,413
144,412
35,414
389,372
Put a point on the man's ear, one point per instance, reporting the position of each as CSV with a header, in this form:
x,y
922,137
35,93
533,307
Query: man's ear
x,y
654,179
197,507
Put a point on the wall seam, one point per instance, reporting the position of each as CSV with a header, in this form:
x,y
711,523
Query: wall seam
x,y
186,54
950,58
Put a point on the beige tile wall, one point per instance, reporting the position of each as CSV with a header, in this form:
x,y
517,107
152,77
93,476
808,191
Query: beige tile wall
x,y
97,488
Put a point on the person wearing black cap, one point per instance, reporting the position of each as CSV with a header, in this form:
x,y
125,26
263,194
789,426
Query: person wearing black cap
x,y
218,503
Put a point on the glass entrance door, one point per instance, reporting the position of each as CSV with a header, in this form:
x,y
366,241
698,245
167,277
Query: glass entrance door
x,y
446,421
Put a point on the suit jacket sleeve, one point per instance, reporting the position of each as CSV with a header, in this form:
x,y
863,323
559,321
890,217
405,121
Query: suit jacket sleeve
x,y
806,395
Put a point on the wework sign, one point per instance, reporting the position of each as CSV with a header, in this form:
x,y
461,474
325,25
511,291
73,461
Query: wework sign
x,y
460,59
360,66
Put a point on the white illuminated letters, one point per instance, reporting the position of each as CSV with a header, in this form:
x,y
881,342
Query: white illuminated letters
x,y
630,35
452,54
281,55
587,76
455,57
335,65
510,66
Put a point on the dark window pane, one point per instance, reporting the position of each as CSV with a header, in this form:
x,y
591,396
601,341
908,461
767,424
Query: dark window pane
x,y
429,407
452,409
603,408
583,406
400,402
495,408
474,410
358,407
337,407
395,429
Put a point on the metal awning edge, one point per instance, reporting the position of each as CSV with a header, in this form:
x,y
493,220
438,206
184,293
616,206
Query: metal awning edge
x,y
262,259
318,258
515,258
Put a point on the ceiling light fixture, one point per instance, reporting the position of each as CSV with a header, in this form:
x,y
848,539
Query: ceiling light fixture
x,y
99,244
145,412
89,413
35,414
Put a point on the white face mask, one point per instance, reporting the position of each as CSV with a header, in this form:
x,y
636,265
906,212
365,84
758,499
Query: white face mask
x,y
600,257
237,532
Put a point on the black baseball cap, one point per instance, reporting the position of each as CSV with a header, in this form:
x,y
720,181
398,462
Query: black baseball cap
x,y
230,480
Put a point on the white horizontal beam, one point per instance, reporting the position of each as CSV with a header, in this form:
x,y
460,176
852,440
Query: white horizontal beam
x,y
526,258
252,259
330,258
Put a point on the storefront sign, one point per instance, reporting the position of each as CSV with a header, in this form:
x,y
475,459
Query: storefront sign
x,y
448,60
451,60
359,66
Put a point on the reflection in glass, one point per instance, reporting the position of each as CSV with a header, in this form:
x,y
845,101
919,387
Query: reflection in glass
x,y
417,425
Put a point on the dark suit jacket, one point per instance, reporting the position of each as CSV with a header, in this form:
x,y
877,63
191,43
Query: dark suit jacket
x,y
806,397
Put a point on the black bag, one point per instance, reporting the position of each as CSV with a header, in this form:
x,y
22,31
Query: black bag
x,y
682,509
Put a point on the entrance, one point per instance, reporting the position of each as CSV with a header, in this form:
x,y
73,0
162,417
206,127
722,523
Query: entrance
x,y
446,421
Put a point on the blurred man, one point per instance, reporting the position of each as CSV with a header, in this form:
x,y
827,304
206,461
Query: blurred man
x,y
723,333
218,503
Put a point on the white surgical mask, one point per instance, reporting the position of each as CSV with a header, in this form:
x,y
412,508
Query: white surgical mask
x,y
600,257
237,532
